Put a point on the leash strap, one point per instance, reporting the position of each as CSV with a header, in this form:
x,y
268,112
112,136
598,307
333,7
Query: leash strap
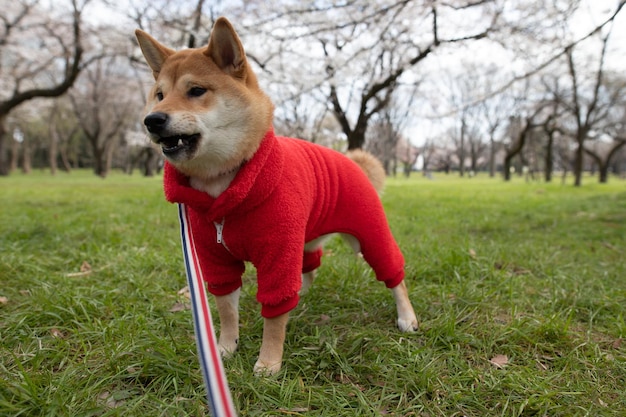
x,y
219,397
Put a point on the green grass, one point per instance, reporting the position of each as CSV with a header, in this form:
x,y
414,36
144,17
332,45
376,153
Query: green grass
x,y
536,272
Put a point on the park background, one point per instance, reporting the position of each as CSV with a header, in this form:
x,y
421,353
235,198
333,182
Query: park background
x,y
526,87
516,275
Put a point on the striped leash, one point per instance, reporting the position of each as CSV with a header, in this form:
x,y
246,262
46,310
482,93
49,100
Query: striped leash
x,y
218,393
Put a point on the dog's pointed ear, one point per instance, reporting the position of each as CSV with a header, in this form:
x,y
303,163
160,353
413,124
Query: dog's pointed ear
x,y
226,50
153,51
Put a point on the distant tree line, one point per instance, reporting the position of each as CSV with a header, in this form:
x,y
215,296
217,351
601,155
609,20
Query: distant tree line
x,y
410,81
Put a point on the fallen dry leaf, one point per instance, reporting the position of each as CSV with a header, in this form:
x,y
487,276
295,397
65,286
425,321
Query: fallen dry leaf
x,y
608,245
104,395
618,343
110,400
322,320
295,410
514,269
180,307
300,409
4,300
472,253
499,361
185,292
56,333
518,270
85,269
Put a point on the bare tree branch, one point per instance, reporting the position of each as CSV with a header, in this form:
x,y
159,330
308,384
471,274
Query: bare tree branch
x,y
70,73
72,66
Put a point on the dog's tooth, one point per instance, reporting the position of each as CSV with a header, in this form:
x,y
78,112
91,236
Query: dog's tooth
x,y
180,142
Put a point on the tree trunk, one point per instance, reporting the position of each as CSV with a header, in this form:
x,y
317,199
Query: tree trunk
x,y
462,149
517,147
100,168
604,174
99,162
356,138
53,150
473,159
578,163
549,160
511,153
605,164
152,158
492,157
27,160
4,139
15,154
67,166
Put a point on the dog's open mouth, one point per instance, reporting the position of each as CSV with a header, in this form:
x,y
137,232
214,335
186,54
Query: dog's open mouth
x,y
173,144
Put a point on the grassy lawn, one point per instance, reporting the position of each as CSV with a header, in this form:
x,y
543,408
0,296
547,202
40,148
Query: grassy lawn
x,y
520,290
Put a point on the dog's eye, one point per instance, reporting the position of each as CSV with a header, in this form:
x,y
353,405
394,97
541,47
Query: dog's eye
x,y
196,91
159,96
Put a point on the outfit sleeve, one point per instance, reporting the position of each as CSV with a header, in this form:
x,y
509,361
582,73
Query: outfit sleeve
x,y
278,259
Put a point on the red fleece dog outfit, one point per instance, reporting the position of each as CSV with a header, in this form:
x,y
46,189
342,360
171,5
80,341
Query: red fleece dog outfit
x,y
289,193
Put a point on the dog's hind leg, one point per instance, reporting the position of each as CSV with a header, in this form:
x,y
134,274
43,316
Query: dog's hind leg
x,y
271,355
307,281
352,241
311,261
228,310
407,321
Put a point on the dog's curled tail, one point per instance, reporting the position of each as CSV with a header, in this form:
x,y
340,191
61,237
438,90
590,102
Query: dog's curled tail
x,y
372,167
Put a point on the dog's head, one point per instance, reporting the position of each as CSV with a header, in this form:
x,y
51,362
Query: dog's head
x,y
206,109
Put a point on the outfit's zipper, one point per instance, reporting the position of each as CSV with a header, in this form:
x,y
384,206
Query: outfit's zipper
x,y
219,228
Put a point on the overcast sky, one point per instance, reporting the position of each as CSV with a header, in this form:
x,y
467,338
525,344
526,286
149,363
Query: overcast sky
x,y
590,15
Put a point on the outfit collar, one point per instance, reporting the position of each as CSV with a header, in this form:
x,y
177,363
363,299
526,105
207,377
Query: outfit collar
x,y
254,182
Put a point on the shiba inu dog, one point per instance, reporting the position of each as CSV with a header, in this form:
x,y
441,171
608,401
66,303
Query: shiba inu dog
x,y
256,197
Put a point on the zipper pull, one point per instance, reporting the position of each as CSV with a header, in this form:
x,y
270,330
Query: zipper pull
x,y
219,227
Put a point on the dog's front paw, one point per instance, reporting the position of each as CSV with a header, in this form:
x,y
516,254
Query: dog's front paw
x,y
265,369
407,325
227,347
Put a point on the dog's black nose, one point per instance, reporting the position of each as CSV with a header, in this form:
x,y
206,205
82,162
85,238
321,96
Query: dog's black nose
x,y
155,122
